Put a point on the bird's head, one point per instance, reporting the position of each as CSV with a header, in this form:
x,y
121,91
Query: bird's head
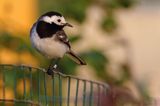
x,y
54,18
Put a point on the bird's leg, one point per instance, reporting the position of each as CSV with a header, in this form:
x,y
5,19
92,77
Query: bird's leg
x,y
52,66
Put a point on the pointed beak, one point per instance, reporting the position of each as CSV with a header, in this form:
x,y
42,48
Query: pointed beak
x,y
67,24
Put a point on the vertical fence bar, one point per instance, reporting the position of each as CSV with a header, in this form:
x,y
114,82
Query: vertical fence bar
x,y
91,94
3,73
60,90
77,88
84,93
100,97
105,90
98,103
68,98
24,83
53,90
45,90
15,86
39,101
31,85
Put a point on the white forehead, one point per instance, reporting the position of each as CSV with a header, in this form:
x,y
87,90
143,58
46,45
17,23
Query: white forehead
x,y
53,19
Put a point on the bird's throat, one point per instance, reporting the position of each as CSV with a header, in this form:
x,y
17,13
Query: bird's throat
x,y
46,30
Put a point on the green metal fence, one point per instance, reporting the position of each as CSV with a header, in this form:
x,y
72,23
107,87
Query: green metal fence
x,y
30,86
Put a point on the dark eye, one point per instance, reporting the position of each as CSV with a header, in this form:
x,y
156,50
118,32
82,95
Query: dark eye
x,y
59,20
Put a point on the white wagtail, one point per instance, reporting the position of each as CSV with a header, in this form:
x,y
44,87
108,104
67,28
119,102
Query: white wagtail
x,y
48,37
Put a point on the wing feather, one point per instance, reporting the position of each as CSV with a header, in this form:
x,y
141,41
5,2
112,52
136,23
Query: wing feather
x,y
62,37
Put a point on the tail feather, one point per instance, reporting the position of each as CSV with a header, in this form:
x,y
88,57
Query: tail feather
x,y
76,59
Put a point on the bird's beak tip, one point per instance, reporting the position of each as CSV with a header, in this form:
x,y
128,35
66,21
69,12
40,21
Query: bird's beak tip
x,y
67,24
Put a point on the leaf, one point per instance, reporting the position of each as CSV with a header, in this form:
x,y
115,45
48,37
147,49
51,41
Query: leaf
x,y
15,43
67,66
71,8
97,60
126,3
73,39
109,24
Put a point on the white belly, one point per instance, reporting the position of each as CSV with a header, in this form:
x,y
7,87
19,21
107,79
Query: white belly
x,y
48,46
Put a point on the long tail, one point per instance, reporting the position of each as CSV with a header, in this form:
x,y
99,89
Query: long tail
x,y
76,59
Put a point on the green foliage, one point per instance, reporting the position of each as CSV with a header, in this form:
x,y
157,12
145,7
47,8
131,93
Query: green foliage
x,y
144,92
20,45
112,4
67,66
125,75
119,3
14,43
126,3
109,24
97,60
94,58
72,8
76,9
73,39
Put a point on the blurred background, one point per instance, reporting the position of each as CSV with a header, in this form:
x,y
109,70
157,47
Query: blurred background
x,y
118,39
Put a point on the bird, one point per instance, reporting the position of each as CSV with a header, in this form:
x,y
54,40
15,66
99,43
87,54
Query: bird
x,y
48,37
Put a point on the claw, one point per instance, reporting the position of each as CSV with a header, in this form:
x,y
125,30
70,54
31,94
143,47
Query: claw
x,y
51,69
49,72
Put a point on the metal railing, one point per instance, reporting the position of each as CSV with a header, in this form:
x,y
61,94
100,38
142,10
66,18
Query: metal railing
x,y
30,86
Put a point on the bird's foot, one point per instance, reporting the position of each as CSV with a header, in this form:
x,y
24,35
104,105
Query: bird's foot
x,y
51,69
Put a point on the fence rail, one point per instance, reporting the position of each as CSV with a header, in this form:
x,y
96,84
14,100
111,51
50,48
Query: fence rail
x,y
20,84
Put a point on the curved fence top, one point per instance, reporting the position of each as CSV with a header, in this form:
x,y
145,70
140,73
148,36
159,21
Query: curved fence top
x,y
21,84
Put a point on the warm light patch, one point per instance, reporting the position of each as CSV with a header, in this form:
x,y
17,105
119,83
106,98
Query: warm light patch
x,y
27,58
17,15
8,56
12,57
9,94
20,86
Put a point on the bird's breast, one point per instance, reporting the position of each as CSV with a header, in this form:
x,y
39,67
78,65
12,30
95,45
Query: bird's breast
x,y
49,47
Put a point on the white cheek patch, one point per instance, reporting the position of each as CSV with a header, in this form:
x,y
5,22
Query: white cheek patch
x,y
63,20
54,19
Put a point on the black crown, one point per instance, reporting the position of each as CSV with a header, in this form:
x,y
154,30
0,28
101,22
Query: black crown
x,y
51,13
